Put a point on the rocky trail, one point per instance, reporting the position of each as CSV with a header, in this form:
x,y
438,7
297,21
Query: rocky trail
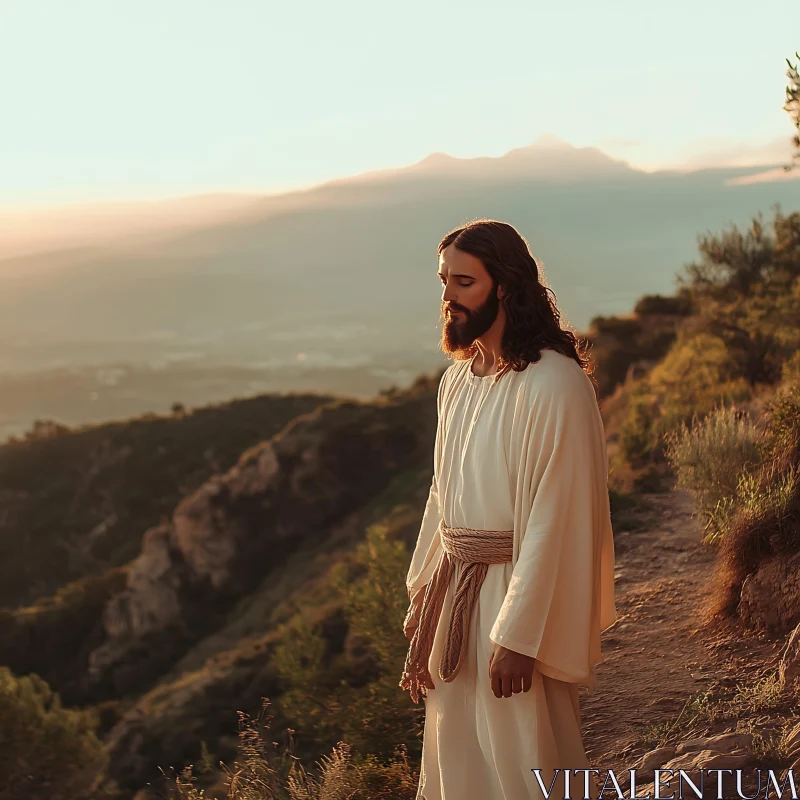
x,y
659,657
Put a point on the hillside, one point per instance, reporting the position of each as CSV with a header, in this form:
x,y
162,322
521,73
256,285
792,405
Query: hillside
x,y
203,578
76,501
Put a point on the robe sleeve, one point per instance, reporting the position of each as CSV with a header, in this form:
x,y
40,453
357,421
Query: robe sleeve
x,y
561,592
429,546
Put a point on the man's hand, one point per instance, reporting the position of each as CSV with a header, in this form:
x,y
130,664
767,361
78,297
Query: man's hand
x,y
510,672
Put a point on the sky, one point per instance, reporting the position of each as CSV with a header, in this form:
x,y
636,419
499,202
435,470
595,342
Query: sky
x,y
115,100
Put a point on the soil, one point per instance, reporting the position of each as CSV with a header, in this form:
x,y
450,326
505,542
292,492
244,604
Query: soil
x,y
662,652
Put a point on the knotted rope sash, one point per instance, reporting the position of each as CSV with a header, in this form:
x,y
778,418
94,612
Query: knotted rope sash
x,y
469,551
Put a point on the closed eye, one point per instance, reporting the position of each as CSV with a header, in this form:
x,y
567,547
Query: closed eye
x,y
465,285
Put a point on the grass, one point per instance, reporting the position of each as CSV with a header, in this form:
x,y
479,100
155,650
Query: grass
x,y
709,458
268,770
751,706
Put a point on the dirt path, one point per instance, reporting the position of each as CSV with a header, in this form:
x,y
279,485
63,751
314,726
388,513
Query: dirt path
x,y
656,655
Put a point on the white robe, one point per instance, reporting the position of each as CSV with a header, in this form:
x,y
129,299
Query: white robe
x,y
526,453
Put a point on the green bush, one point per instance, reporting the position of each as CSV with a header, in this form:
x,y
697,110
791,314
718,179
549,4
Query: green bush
x,y
355,696
697,374
47,752
651,304
742,332
790,371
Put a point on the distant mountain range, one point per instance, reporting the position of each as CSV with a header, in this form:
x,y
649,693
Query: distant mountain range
x,y
340,277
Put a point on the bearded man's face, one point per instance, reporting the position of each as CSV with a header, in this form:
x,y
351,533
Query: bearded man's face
x,y
470,301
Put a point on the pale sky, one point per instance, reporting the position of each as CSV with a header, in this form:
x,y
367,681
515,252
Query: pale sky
x,y
113,99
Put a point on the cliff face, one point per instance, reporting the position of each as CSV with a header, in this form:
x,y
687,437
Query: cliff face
x,y
235,529
75,504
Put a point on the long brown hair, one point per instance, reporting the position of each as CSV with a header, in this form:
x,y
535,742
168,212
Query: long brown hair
x,y
533,321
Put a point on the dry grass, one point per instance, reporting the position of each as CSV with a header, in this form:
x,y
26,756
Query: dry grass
x,y
764,518
709,457
759,707
266,770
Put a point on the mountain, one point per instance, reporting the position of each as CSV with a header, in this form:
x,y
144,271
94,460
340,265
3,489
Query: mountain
x,y
333,288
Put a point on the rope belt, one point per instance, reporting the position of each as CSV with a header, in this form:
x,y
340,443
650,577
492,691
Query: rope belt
x,y
469,552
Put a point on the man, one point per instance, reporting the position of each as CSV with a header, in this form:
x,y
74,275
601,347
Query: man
x,y
512,577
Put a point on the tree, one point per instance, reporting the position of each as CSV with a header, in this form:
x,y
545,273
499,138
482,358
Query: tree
x,y
48,752
792,107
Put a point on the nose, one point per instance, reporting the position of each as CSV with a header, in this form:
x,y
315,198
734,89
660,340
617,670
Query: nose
x,y
449,295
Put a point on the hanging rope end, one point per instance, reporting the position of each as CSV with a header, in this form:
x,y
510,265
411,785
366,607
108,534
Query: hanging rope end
x,y
415,681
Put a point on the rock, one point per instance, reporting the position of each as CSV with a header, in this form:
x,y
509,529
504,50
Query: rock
x,y
234,529
691,745
689,766
677,783
770,597
710,759
149,601
650,761
645,790
721,743
789,667
684,761
203,534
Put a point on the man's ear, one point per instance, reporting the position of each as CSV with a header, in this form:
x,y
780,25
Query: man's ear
x,y
501,292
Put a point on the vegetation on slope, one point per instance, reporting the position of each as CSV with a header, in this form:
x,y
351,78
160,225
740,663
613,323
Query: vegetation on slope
x,y
732,348
76,503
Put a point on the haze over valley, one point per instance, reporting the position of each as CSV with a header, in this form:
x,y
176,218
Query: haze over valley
x,y
111,311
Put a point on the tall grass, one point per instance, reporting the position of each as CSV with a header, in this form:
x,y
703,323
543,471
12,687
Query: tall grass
x,y
764,520
711,458
267,770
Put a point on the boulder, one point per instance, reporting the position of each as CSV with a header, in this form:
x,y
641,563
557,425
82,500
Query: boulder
x,y
684,761
652,760
710,759
770,597
720,743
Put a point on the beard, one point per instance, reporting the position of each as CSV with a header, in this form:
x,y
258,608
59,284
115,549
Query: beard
x,y
460,332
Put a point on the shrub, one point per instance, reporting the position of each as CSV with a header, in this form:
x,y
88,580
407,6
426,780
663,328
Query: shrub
x,y
356,696
708,459
790,372
650,304
48,752
697,375
763,520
